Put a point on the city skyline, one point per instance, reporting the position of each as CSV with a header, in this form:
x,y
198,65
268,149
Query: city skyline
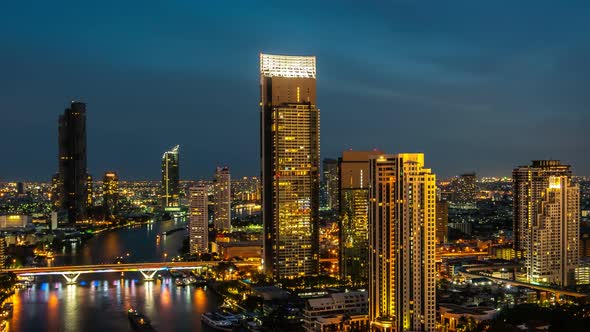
x,y
491,79
367,188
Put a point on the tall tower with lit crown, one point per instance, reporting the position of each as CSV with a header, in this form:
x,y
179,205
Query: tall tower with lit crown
x,y
290,154
402,222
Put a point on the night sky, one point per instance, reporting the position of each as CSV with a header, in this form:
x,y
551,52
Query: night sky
x,y
476,85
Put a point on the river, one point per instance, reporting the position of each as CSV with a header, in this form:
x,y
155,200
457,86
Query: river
x,y
98,303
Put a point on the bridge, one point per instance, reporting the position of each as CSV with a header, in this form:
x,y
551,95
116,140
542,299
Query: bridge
x,y
147,270
474,272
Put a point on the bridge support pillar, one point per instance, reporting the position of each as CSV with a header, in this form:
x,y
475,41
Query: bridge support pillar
x,y
148,275
71,278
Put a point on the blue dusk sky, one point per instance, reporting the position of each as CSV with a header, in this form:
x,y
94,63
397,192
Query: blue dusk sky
x,y
478,86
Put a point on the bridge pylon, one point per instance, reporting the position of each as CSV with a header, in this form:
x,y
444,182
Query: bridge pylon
x,y
71,277
148,275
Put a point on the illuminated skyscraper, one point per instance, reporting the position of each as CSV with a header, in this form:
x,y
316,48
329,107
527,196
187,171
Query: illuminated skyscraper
x,y
547,221
222,189
171,180
72,179
290,153
402,221
354,215
110,195
198,219
331,183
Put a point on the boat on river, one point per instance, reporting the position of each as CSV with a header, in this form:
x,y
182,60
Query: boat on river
x,y
139,321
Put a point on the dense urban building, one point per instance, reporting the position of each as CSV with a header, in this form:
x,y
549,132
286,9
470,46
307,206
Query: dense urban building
x,y
442,221
171,180
198,219
246,189
222,193
72,187
330,179
290,153
354,215
402,222
464,191
547,221
110,195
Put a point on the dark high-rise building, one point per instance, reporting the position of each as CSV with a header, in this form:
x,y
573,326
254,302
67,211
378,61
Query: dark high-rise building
x,y
442,221
354,215
331,183
110,195
290,154
546,210
73,177
20,188
171,180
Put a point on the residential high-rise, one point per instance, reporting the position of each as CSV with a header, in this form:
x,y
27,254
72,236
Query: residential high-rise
x,y
290,154
547,221
442,221
222,190
171,180
331,183
402,222
72,180
110,195
198,219
354,215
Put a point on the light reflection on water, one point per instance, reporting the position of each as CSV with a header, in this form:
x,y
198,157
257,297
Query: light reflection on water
x,y
101,305
99,302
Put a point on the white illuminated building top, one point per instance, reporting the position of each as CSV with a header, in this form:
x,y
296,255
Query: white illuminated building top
x,y
287,66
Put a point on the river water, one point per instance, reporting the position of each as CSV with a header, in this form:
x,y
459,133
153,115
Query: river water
x,y
98,303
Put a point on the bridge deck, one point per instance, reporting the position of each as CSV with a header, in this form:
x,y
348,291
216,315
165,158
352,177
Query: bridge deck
x,y
128,267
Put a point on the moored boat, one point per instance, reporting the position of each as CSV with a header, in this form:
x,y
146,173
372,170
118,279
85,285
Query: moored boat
x,y
217,321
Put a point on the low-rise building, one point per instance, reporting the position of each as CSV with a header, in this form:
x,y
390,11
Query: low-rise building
x,y
582,273
343,311
450,315
14,221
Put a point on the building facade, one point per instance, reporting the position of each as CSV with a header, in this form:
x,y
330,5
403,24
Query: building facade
x,y
330,175
171,179
547,221
345,311
110,195
198,219
290,153
442,221
354,215
402,222
72,179
222,192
